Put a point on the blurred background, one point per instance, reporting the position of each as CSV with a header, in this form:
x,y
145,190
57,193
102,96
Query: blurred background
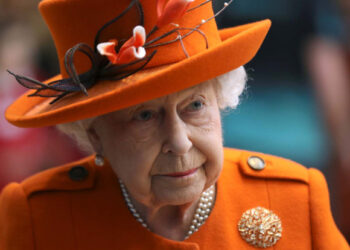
x,y
296,105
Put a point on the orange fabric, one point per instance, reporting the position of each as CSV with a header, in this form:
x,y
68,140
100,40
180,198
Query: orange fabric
x,y
72,22
317,192
49,211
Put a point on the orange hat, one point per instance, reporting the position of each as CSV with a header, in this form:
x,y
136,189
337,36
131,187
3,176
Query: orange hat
x,y
117,53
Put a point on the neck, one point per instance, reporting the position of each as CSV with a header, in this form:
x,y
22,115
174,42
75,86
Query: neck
x,y
172,222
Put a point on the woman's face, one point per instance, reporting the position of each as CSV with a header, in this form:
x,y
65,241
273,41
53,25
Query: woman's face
x,y
167,150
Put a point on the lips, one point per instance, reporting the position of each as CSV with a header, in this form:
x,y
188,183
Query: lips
x,y
182,174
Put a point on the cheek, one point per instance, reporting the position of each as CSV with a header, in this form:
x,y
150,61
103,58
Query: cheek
x,y
131,156
214,163
209,142
142,132
210,128
128,140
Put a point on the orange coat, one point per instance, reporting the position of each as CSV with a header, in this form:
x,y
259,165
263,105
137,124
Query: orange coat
x,y
55,210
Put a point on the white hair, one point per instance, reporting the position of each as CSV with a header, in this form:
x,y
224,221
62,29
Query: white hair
x,y
228,86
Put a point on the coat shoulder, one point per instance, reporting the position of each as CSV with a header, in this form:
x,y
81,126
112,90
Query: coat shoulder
x,y
72,176
260,165
16,226
303,189
15,221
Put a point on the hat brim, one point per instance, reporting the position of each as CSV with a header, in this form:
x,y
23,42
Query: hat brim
x,y
239,45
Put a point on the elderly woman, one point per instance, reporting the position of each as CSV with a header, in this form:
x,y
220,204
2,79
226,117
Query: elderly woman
x,y
142,84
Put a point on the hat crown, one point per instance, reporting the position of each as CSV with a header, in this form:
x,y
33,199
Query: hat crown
x,y
77,21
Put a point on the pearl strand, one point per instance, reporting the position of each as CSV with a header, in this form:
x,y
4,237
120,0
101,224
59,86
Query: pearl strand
x,y
204,207
203,210
131,206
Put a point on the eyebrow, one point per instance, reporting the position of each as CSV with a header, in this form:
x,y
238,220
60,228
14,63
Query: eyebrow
x,y
133,108
186,94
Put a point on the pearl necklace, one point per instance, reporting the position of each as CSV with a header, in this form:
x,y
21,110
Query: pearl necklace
x,y
203,209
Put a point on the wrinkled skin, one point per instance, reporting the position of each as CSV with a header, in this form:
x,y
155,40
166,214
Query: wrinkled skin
x,y
147,143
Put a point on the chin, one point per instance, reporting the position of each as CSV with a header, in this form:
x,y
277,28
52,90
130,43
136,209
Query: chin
x,y
179,196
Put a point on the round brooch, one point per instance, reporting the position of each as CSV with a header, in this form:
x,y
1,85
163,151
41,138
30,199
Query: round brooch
x,y
260,227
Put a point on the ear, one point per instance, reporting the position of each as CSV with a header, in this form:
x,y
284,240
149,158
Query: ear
x,y
95,140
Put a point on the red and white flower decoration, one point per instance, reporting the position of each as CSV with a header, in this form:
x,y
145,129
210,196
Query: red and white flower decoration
x,y
172,10
131,50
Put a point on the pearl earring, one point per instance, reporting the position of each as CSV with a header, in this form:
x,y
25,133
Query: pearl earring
x,y
99,160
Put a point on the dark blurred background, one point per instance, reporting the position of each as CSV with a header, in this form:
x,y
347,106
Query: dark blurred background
x,y
296,105
27,48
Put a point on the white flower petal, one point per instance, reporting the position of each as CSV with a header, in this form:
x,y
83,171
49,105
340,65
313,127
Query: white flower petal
x,y
101,47
140,30
140,52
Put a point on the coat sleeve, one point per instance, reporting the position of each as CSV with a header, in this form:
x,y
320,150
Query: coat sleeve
x,y
15,223
325,234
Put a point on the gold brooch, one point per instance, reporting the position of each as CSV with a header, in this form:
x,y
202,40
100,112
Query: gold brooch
x,y
260,227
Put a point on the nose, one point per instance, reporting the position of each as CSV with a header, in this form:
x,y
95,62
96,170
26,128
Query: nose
x,y
176,135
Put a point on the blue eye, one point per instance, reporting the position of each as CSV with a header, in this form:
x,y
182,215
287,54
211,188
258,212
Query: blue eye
x,y
145,115
196,105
